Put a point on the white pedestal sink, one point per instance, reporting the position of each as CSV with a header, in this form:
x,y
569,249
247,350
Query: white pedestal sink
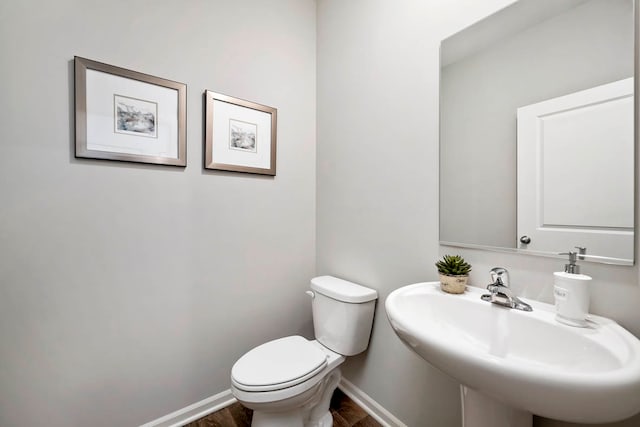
x,y
513,363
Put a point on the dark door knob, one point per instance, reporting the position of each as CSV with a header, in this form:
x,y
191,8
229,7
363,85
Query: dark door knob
x,y
525,239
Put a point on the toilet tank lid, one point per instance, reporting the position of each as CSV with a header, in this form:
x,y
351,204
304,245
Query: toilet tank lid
x,y
342,290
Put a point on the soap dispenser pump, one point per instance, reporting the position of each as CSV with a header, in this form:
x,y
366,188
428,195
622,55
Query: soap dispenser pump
x,y
571,291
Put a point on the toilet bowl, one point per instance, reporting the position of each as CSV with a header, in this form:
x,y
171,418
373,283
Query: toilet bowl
x,y
287,377
288,382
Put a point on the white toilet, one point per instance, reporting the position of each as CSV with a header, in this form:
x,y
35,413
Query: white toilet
x,y
289,382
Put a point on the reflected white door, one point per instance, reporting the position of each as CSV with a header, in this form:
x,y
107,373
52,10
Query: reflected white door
x,y
562,202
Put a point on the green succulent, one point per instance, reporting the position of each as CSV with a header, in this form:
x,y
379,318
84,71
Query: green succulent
x,y
453,265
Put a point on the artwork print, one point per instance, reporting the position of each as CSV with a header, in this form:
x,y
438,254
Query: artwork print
x,y
243,135
240,135
128,116
134,116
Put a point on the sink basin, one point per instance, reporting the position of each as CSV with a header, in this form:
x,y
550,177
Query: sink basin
x,y
524,360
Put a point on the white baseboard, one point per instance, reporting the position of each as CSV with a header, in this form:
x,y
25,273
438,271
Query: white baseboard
x,y
221,400
373,408
193,412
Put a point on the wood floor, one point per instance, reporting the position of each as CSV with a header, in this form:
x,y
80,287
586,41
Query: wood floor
x,y
345,414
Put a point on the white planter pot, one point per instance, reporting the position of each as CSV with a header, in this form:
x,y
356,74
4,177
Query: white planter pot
x,y
453,284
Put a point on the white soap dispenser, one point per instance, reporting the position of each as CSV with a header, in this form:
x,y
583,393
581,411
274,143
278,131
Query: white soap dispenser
x,y
571,291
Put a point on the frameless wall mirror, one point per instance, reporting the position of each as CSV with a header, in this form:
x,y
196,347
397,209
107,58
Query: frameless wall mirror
x,y
537,130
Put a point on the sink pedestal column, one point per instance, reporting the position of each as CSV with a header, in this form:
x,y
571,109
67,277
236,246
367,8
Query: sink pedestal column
x,y
480,410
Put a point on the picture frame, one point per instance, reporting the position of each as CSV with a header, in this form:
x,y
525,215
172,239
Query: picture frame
x,y
240,135
128,116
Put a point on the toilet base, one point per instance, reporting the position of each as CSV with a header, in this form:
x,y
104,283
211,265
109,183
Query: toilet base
x,y
320,416
293,418
290,419
325,421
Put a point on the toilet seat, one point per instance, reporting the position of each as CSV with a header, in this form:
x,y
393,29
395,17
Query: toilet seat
x,y
278,364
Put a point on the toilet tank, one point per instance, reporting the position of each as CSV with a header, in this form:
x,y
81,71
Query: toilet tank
x,y
342,314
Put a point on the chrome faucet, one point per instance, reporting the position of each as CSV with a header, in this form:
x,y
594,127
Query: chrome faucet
x,y
500,291
499,277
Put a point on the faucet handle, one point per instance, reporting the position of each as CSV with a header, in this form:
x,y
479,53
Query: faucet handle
x,y
499,276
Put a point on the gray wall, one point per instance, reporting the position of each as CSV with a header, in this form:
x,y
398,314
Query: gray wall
x,y
377,189
127,291
556,57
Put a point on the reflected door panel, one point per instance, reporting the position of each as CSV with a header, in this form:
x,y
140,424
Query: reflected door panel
x,y
575,171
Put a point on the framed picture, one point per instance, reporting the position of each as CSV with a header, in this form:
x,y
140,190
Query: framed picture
x,y
240,135
129,116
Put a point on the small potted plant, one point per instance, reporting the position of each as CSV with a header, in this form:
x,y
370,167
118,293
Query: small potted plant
x,y
454,273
